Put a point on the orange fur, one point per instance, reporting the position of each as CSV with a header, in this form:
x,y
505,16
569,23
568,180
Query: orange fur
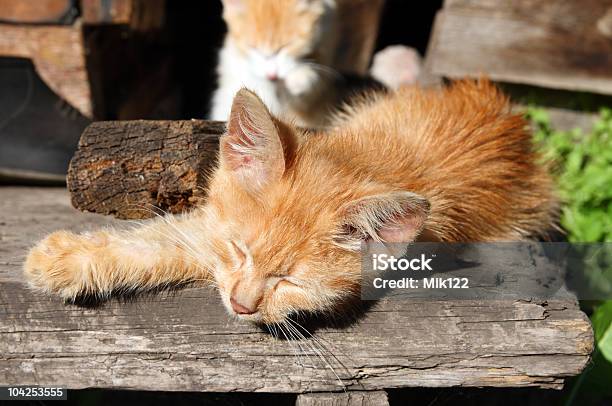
x,y
284,50
272,24
286,210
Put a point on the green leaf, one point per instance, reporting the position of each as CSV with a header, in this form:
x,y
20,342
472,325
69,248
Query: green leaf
x,y
602,325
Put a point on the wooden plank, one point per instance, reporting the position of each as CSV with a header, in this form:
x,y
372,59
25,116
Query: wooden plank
x,y
39,11
140,15
371,398
184,341
127,168
552,43
58,55
107,12
358,30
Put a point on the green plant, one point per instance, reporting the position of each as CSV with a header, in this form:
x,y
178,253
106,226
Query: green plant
x,y
582,165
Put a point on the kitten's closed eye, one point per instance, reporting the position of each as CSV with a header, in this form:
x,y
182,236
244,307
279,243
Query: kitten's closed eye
x,y
292,281
238,254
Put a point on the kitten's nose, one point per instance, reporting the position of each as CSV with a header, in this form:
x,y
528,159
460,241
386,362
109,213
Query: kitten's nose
x,y
272,75
241,309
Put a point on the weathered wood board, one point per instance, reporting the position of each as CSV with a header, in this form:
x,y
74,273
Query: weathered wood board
x,y
140,15
565,44
370,398
37,12
184,341
58,55
357,33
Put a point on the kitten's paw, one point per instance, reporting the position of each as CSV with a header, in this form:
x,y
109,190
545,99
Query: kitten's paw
x,y
396,66
301,81
62,263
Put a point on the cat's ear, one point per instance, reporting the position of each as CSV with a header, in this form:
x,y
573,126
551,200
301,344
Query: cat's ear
x,y
252,149
389,217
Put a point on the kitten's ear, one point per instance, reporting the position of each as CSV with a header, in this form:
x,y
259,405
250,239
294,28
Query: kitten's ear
x,y
389,217
252,149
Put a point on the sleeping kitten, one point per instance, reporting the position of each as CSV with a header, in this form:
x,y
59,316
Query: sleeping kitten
x,y
283,51
286,213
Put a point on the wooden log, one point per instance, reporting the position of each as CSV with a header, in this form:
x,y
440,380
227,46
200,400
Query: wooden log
x,y
559,44
184,341
129,169
369,398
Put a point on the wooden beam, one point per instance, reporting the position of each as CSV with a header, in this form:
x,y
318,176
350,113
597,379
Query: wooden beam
x,y
369,398
358,30
58,55
184,341
39,11
564,44
140,15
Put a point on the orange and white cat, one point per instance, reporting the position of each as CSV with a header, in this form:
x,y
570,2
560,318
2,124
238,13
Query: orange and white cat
x,y
283,51
286,213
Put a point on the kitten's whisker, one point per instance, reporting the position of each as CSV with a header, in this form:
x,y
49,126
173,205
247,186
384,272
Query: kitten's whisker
x,y
280,326
299,345
321,356
321,341
312,344
296,335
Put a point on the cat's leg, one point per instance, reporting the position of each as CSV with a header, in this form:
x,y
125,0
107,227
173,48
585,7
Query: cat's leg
x,y
301,81
160,253
396,66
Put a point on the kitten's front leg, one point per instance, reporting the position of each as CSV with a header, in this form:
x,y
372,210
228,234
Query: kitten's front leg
x,y
301,81
99,263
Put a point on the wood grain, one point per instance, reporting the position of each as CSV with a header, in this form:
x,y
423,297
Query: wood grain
x,y
370,398
129,168
58,55
140,15
184,341
358,30
39,11
553,43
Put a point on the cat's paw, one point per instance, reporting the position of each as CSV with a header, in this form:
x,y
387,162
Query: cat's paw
x,y
62,263
396,66
301,81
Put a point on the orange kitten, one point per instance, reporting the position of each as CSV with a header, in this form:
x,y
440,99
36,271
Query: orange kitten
x,y
283,51
286,213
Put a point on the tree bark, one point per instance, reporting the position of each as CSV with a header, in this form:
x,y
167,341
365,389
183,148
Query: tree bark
x,y
132,169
